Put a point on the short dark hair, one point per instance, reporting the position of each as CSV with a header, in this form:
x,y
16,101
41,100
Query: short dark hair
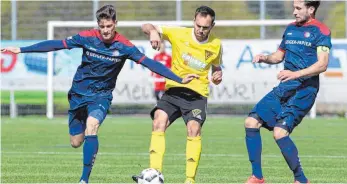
x,y
106,12
314,3
204,11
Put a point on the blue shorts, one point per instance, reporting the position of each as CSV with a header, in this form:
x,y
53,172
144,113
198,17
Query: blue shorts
x,y
286,112
78,117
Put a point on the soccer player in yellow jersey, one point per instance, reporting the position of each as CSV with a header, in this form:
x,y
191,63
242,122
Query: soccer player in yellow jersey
x,y
194,50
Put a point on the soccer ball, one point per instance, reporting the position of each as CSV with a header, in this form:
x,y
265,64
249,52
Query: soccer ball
x,y
151,176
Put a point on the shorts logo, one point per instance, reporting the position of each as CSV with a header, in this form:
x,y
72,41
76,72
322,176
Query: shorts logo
x,y
102,106
208,54
196,113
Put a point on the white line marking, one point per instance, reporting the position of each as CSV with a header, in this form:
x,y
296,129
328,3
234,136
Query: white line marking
x,y
172,154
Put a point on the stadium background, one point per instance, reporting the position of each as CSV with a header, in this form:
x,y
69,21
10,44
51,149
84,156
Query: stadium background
x,y
35,149
32,17
32,20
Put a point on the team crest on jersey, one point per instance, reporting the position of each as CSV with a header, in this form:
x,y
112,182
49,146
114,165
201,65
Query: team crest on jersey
x,y
115,53
307,34
208,54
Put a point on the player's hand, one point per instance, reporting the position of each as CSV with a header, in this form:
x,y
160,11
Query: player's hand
x,y
189,78
14,50
155,39
259,58
286,75
217,77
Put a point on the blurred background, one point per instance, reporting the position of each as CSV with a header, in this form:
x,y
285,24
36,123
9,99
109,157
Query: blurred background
x,y
35,149
24,77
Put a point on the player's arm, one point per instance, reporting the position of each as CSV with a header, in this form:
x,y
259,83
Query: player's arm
x,y
44,46
217,74
320,66
153,33
157,67
273,58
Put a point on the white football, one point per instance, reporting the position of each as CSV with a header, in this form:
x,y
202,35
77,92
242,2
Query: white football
x,y
151,176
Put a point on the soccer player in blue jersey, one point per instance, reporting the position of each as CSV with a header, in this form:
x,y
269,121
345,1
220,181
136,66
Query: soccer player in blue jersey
x,y
305,50
104,54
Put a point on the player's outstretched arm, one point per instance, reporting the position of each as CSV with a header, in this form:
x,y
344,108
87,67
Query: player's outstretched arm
x,y
45,46
273,58
153,33
162,70
14,50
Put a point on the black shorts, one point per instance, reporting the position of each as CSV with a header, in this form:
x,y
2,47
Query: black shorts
x,y
158,94
180,101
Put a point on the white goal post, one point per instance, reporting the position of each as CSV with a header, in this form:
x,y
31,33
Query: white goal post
x,y
226,23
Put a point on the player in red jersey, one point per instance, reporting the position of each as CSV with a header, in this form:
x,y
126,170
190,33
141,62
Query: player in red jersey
x,y
159,82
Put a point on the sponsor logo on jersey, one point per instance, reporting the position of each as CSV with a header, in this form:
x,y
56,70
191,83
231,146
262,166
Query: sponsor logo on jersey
x,y
298,42
193,62
103,57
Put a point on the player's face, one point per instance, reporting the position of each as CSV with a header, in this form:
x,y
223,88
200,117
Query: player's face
x,y
301,12
107,29
202,27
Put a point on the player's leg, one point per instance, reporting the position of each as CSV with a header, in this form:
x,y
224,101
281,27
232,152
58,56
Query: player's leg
x,y
163,114
194,115
193,150
263,114
253,143
77,126
96,114
296,108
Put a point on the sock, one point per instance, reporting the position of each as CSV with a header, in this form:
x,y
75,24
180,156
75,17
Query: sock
x,y
193,152
290,153
90,149
157,150
254,148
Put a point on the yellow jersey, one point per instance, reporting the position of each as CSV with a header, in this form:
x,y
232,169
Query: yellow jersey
x,y
191,56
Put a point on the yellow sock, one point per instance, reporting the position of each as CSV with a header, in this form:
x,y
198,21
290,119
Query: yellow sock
x,y
193,152
157,150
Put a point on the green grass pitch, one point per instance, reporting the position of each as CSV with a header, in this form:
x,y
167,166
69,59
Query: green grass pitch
x,y
37,150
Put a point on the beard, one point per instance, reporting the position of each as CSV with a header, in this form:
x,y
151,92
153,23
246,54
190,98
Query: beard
x,y
305,19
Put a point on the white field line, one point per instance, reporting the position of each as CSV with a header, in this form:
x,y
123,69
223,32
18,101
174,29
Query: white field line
x,y
205,155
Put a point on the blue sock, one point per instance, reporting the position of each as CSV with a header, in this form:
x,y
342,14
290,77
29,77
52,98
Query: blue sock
x,y
254,147
290,153
90,149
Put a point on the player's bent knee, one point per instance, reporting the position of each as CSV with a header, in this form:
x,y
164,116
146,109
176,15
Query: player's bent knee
x,y
193,128
160,121
76,141
75,144
159,125
92,126
279,133
251,122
